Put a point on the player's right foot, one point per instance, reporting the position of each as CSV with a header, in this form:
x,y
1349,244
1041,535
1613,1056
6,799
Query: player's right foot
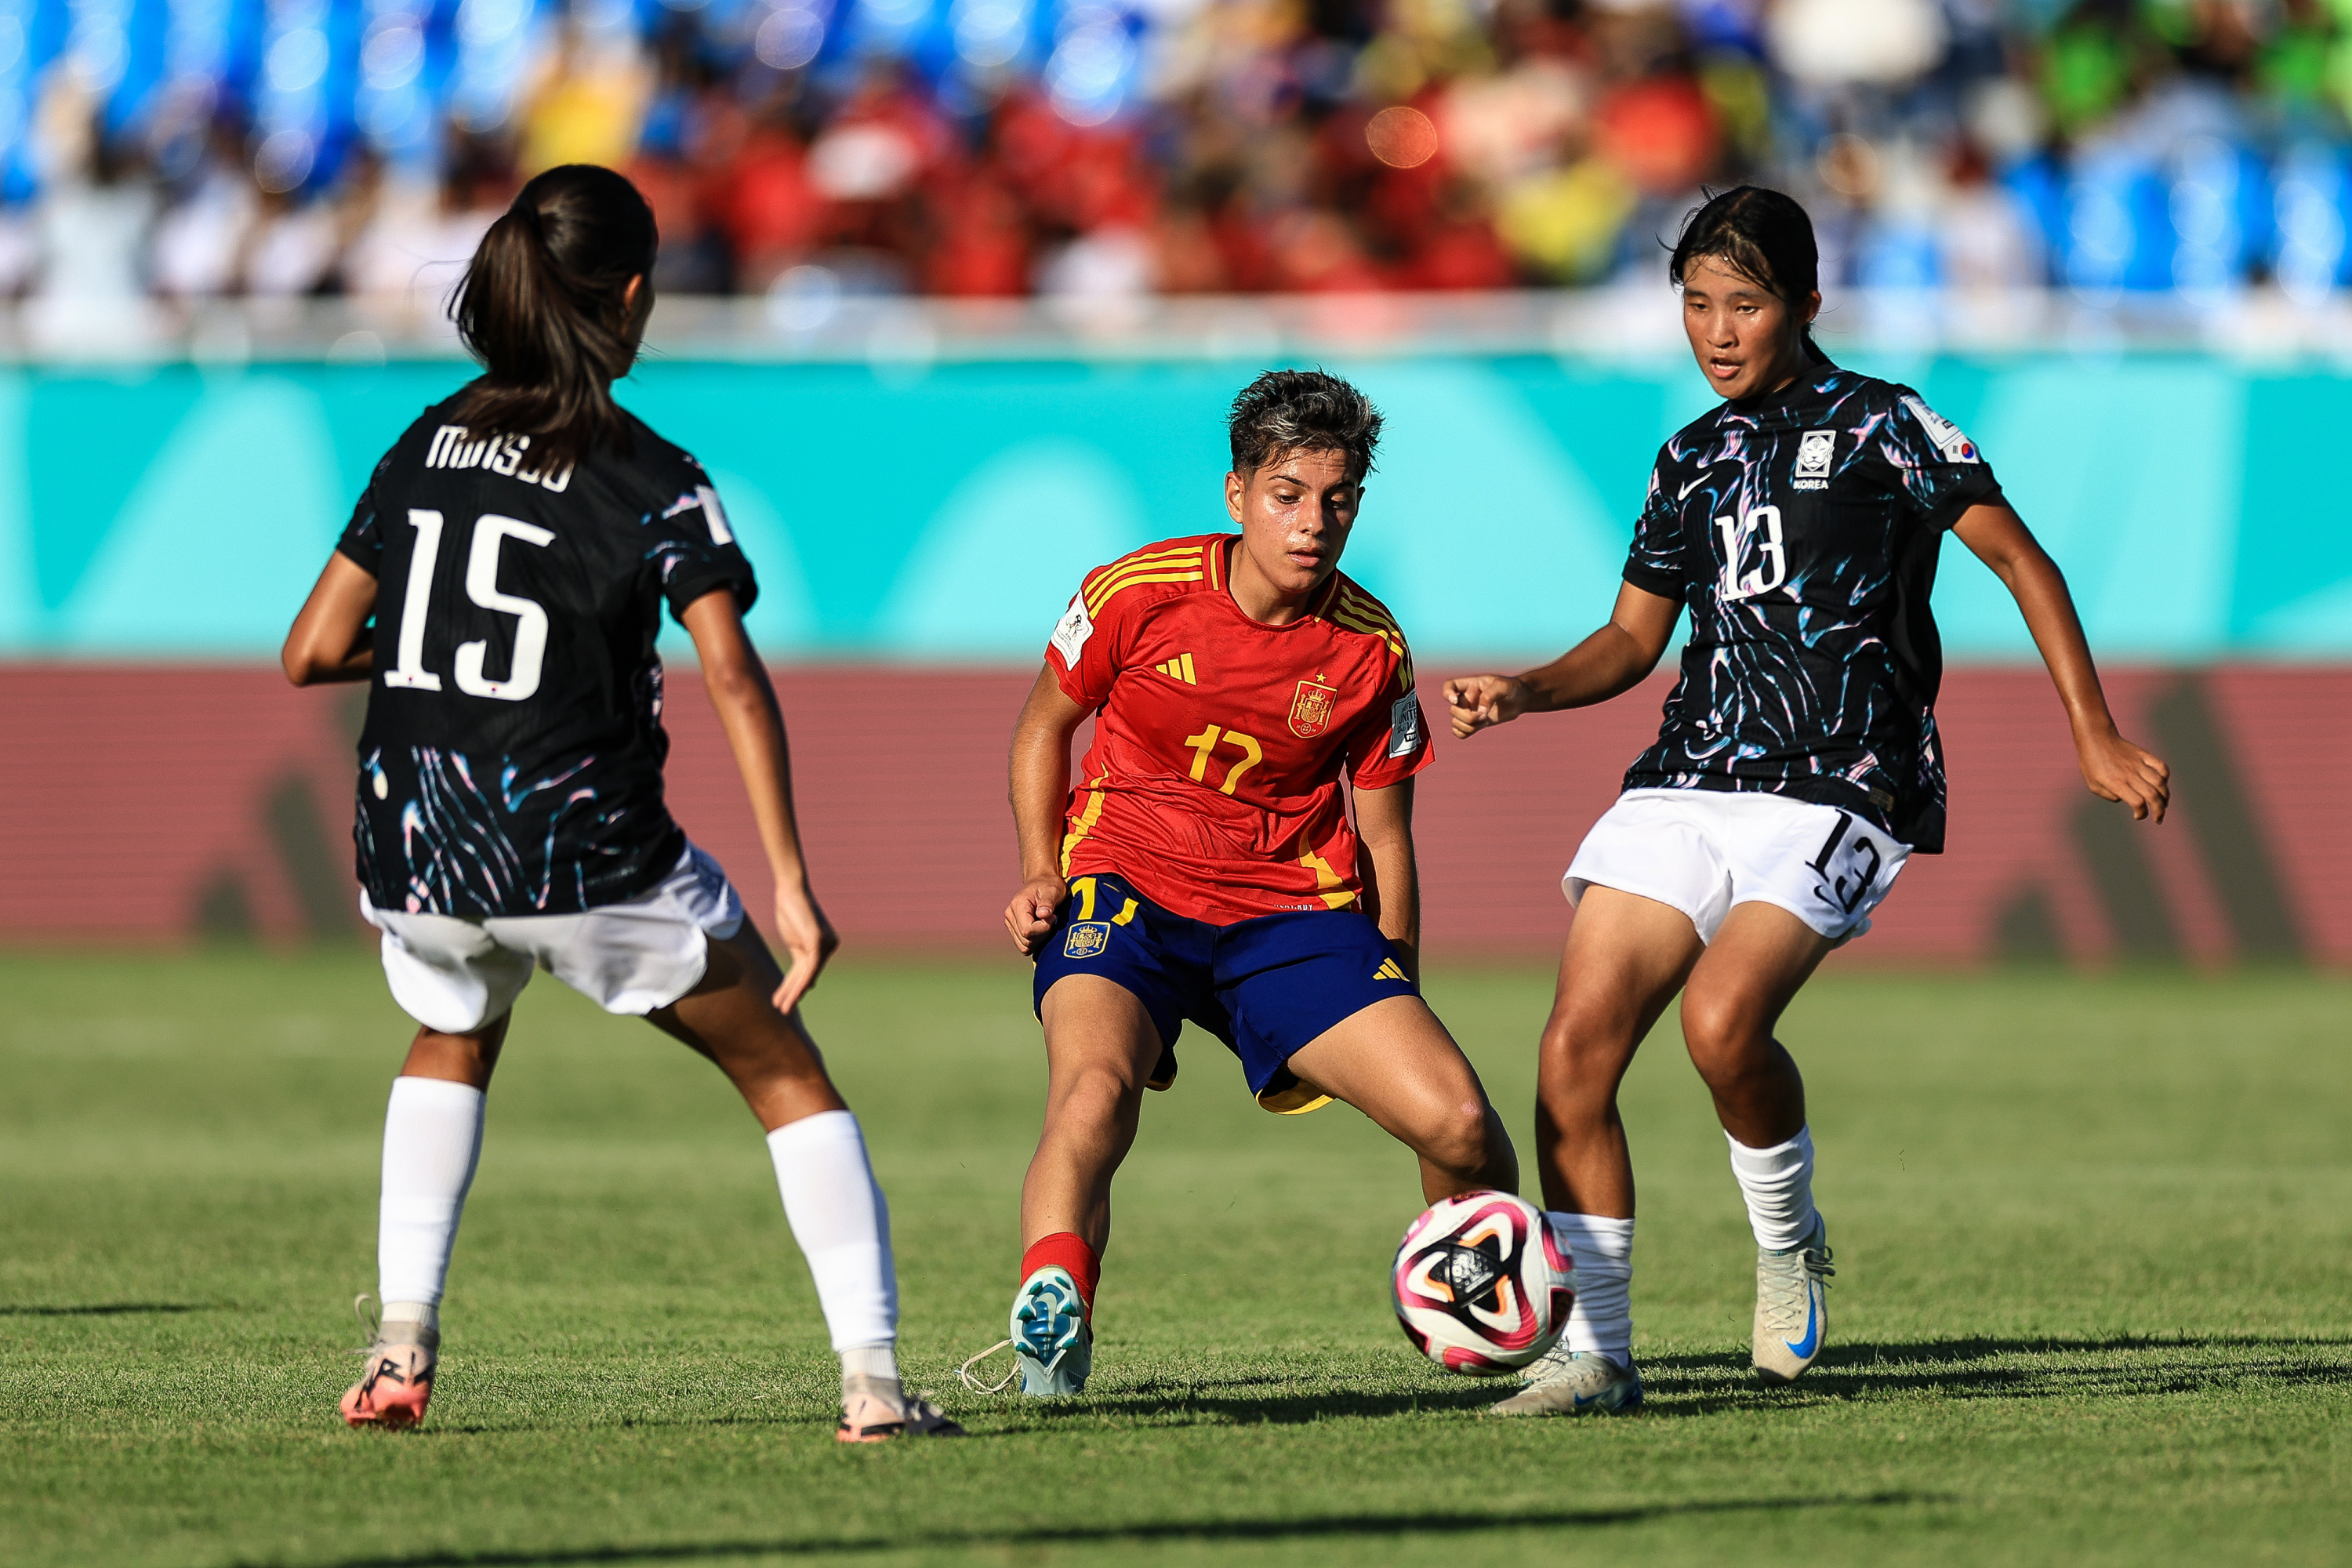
x,y
398,1381
1792,1309
1051,1339
1575,1382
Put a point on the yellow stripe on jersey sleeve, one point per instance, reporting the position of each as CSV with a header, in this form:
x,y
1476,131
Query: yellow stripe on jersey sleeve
x,y
1184,567
1360,614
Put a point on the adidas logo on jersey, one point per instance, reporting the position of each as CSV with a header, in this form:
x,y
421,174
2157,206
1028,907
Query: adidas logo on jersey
x,y
455,446
1388,970
1179,669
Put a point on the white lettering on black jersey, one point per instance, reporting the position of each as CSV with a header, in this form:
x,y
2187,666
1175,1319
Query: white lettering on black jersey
x,y
1802,531
511,759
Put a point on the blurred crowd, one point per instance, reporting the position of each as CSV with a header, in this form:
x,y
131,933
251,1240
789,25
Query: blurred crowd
x,y
172,151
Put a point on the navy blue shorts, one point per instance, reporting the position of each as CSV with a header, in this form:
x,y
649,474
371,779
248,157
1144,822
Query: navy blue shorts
x,y
1264,986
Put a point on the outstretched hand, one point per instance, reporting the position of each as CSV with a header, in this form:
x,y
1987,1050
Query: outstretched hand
x,y
2118,770
1030,916
1476,703
808,941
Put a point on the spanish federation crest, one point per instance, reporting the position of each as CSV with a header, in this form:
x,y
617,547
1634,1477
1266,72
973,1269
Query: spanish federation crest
x,y
1086,939
1310,711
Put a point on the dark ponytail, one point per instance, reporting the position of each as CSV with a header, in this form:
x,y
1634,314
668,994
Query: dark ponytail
x,y
545,306
1763,235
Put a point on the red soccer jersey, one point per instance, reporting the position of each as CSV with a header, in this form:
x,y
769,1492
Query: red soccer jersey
x,y
1213,785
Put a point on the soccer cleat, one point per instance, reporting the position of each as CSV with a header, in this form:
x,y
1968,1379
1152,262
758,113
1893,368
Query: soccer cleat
x,y
1052,1343
1792,1309
877,1409
1575,1382
399,1381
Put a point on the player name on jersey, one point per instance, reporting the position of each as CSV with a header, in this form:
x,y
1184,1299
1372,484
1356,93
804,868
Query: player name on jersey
x,y
455,446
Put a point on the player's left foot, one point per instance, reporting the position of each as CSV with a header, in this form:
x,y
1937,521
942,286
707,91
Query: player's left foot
x,y
1051,1339
877,1409
398,1383
1792,1316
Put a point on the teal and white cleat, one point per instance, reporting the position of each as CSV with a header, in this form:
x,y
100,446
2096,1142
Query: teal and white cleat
x,y
1051,1339
1575,1382
1792,1309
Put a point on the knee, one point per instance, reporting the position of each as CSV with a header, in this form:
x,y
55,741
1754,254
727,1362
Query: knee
x,y
1726,1035
1465,1140
1093,1098
1584,1053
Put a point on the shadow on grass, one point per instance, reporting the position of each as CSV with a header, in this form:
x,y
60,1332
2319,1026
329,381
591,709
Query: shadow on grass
x,y
99,1310
1983,1368
1684,1385
1316,1527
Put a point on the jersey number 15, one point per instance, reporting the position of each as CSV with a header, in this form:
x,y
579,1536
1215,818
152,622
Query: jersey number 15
x,y
490,531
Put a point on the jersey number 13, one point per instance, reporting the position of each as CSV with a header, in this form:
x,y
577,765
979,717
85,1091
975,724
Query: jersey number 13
x,y
490,531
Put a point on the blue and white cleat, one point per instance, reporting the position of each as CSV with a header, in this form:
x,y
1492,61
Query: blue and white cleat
x,y
1051,1340
1792,1309
1575,1382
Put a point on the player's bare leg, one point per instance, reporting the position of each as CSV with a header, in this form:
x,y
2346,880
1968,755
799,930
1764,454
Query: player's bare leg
x,y
1395,1062
1100,1049
1101,1046
835,1207
726,1017
1626,957
1759,959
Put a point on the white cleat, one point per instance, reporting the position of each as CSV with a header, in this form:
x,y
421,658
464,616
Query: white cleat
x,y
1575,1382
1792,1312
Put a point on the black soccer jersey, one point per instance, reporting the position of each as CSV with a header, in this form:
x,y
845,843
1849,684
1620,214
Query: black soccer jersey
x,y
511,760
1801,529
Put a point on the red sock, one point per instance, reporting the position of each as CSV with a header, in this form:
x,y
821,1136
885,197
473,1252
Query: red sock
x,y
1069,1250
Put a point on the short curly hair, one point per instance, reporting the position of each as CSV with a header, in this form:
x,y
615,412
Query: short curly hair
x,y
1302,411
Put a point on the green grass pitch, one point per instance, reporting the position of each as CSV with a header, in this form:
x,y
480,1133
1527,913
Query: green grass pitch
x,y
2094,1238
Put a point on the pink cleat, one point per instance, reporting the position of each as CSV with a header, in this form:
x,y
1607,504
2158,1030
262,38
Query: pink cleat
x,y
399,1381
875,1410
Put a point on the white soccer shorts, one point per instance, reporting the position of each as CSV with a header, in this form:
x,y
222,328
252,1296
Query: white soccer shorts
x,y
1701,851
456,976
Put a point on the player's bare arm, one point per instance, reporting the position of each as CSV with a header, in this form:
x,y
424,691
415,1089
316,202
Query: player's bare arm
x,y
747,708
2113,767
1385,823
1613,659
331,639
1041,787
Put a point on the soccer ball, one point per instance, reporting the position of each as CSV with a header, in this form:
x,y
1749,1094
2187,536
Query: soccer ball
x,y
1480,1285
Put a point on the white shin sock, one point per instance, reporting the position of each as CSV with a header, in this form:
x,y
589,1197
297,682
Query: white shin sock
x,y
1778,1183
839,1216
1602,1248
432,1141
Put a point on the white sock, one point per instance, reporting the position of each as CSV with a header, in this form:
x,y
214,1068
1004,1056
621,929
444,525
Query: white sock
x,y
843,1225
432,1139
1778,1183
1602,1248
871,1364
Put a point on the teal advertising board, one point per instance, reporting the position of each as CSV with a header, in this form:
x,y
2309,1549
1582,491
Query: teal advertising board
x,y
179,511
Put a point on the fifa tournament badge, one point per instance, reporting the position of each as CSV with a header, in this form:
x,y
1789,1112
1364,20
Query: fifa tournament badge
x,y
1310,711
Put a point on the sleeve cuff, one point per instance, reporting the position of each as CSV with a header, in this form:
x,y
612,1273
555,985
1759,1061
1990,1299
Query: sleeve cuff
x,y
683,592
1650,580
1954,506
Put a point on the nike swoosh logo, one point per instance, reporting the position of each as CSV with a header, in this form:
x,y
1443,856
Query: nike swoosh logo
x,y
1690,487
1805,1347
